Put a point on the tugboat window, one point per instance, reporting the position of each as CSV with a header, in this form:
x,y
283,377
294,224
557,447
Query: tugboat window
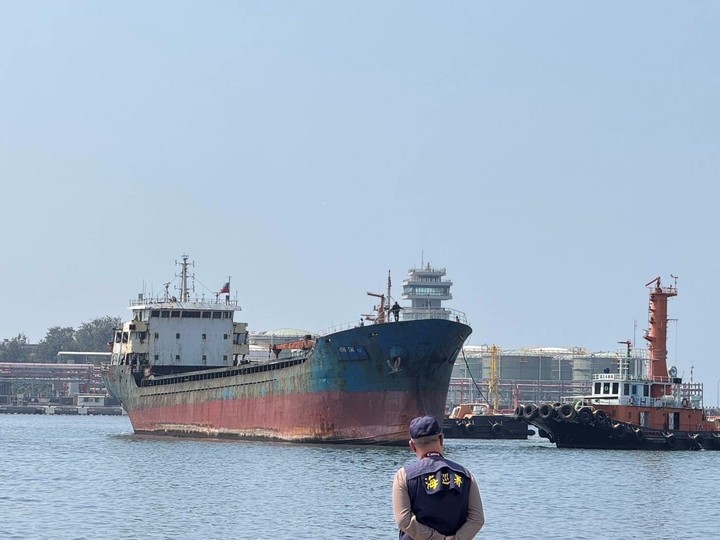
x,y
646,390
165,314
606,388
207,314
615,388
597,388
217,314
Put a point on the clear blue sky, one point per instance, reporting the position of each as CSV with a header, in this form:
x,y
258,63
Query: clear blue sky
x,y
554,157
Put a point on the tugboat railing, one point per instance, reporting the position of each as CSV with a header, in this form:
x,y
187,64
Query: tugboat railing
x,y
630,378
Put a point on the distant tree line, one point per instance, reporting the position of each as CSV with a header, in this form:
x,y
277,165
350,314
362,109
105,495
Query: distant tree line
x,y
91,336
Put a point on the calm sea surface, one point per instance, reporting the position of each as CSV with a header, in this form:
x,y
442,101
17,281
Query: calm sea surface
x,y
67,477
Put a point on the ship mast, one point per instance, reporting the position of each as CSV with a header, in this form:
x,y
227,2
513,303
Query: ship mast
x,y
657,335
184,292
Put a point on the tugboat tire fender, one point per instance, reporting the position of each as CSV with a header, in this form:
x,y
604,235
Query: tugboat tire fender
x,y
530,411
546,411
567,412
619,430
670,440
639,435
685,402
631,401
496,429
518,412
600,417
697,440
585,415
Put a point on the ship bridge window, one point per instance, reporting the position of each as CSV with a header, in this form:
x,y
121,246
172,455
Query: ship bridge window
x,y
597,388
206,314
227,315
616,386
634,389
646,390
606,388
175,314
155,313
165,314
217,314
626,389
191,314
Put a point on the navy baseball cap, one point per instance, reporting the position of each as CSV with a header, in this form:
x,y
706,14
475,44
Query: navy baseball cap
x,y
424,426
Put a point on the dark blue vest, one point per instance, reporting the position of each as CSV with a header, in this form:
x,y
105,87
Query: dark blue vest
x,y
439,490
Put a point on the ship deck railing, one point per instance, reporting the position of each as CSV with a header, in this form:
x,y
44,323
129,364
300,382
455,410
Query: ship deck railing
x,y
174,302
633,378
413,314
247,369
642,401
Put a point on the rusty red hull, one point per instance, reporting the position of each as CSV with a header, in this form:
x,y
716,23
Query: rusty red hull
x,y
363,417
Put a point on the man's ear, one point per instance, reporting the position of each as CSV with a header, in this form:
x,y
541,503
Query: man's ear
x,y
411,444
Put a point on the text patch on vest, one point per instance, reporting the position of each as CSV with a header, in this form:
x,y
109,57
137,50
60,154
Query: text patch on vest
x,y
442,480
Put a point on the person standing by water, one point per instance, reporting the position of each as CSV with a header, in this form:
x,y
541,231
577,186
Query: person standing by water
x,y
435,498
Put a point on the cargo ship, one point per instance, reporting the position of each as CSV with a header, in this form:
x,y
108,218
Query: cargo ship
x,y
641,406
182,367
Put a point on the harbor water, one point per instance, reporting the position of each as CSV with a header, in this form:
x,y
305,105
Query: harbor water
x,y
90,477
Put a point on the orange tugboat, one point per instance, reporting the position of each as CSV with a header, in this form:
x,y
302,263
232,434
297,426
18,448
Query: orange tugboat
x,y
642,406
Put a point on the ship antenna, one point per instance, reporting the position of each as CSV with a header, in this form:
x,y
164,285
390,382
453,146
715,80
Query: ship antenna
x,y
184,294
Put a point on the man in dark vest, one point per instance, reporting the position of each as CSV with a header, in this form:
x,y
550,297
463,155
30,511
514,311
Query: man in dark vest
x,y
435,498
